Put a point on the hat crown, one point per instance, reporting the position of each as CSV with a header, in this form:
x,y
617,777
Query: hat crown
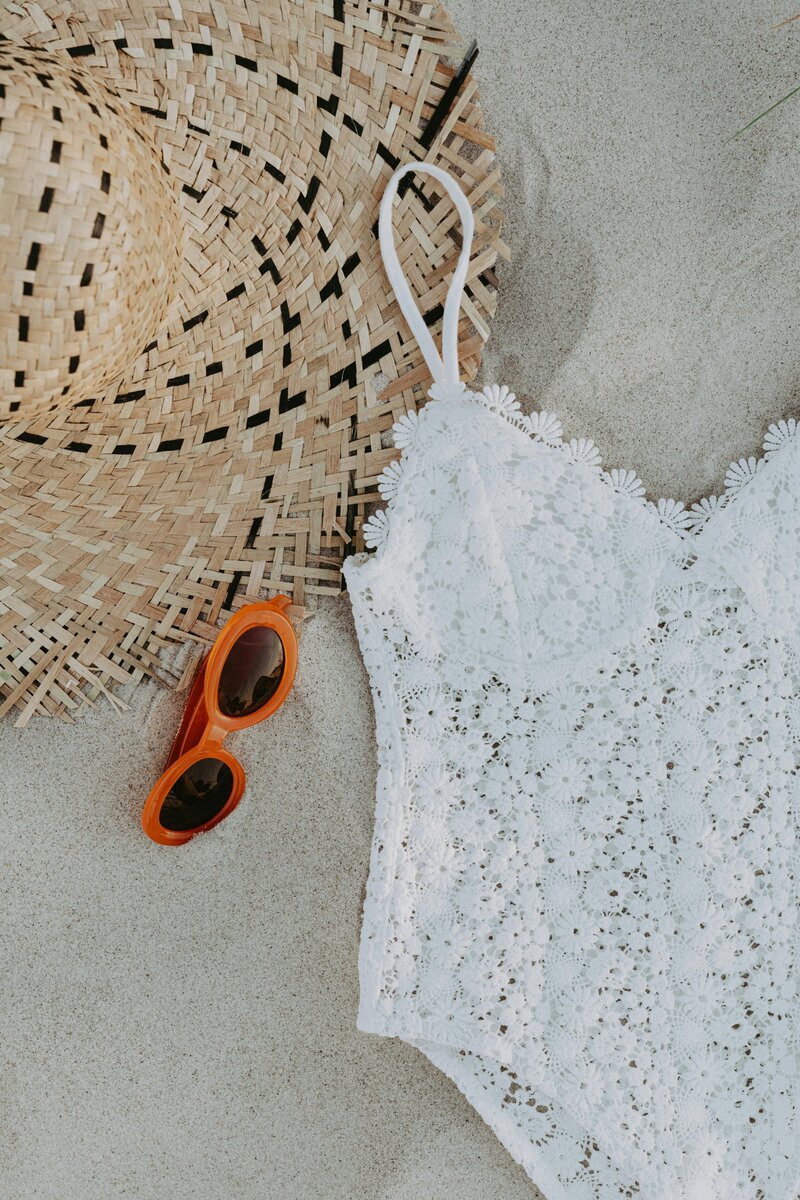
x,y
90,235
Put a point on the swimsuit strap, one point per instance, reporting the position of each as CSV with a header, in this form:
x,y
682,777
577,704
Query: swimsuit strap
x,y
447,371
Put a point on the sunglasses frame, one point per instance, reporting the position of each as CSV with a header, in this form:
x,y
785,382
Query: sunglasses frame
x,y
204,726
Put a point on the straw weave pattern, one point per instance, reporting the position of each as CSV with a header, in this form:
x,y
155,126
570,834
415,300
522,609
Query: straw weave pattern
x,y
91,242
236,454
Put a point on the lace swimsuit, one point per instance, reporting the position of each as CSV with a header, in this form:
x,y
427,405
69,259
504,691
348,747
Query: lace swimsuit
x,y
583,891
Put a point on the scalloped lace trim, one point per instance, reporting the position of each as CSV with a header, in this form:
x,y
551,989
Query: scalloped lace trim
x,y
545,427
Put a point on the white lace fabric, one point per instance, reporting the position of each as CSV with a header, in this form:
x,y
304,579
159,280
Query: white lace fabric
x,y
583,892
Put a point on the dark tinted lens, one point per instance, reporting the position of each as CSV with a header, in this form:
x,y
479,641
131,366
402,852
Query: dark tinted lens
x,y
252,672
199,794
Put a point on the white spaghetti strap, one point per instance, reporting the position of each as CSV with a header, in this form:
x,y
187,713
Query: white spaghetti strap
x,y
442,371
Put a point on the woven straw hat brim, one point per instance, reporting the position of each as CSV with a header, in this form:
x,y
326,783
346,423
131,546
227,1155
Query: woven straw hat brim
x,y
238,454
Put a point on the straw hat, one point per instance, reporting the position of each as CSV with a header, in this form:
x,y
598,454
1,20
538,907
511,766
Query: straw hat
x,y
195,331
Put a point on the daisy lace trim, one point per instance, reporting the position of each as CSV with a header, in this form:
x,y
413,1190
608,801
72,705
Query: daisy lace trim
x,y
545,427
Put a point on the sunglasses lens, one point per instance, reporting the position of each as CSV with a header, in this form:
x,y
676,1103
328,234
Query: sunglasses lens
x,y
197,795
253,669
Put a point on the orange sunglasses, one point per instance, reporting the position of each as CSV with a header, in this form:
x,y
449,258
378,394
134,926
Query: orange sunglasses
x,y
245,677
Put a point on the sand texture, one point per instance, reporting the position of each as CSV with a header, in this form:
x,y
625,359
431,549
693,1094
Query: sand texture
x,y
180,1024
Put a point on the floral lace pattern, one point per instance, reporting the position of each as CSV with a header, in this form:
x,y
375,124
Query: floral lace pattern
x,y
545,427
585,880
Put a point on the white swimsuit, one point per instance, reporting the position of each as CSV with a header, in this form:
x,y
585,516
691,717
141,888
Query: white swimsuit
x,y
584,884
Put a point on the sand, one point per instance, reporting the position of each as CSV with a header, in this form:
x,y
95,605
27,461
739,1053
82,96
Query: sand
x,y
180,1024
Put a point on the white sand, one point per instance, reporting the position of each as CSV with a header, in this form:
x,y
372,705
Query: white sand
x,y
180,1024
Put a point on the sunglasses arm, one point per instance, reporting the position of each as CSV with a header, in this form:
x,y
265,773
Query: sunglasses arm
x,y
195,718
